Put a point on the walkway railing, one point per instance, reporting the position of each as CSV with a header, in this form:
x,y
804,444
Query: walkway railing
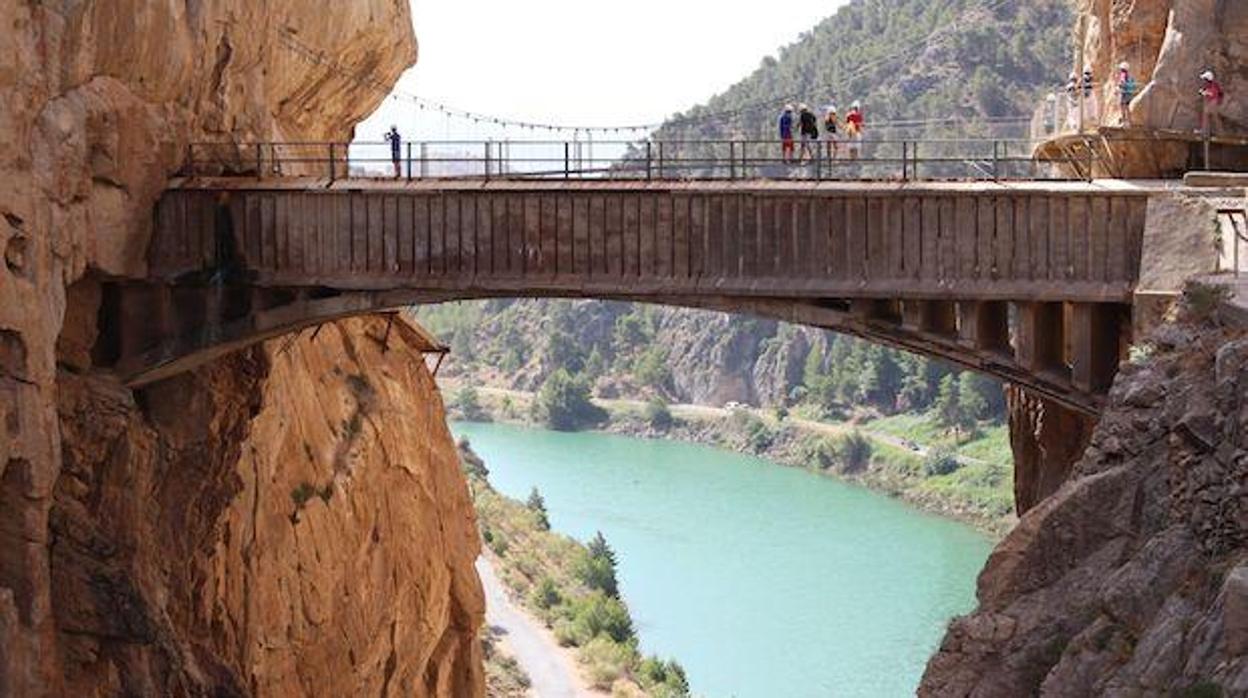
x,y
845,159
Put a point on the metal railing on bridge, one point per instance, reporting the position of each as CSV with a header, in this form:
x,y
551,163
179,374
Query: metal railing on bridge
x,y
844,159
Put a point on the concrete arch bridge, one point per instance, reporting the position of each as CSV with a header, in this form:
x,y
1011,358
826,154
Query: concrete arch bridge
x,y
1031,282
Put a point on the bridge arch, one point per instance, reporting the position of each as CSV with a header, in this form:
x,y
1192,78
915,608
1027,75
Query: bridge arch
x,y
1031,283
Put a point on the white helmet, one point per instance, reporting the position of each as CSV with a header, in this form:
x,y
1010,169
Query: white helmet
x,y
856,105
831,109
1207,75
788,107
1124,66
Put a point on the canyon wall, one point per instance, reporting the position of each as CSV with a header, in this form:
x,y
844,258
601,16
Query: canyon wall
x,y
1133,578
290,520
1168,44
152,542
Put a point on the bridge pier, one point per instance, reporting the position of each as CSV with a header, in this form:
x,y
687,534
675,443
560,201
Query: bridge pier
x,y
1040,338
985,326
1096,343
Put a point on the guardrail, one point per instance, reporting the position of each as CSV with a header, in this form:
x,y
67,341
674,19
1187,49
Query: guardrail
x,y
842,159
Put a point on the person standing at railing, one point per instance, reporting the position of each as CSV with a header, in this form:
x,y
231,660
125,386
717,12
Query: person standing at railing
x,y
1072,103
396,149
830,129
786,134
1126,91
809,126
1212,96
855,123
1089,104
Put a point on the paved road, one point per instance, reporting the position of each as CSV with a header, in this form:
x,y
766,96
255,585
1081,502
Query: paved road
x,y
550,667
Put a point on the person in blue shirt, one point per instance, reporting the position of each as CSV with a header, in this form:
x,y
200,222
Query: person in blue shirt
x,y
1126,91
786,134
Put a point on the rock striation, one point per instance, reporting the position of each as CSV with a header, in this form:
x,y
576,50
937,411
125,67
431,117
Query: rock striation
x,y
151,543
290,520
1130,579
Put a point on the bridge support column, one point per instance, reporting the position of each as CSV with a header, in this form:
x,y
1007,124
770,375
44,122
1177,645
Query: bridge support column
x,y
1095,345
984,325
1040,342
871,309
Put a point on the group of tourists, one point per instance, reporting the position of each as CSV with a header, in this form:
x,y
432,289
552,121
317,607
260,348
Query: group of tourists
x,y
803,121
1211,94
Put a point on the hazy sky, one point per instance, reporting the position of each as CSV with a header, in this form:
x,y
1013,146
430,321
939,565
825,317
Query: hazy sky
x,y
579,62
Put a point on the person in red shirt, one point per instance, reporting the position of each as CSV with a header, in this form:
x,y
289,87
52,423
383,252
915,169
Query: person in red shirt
x,y
1212,95
854,124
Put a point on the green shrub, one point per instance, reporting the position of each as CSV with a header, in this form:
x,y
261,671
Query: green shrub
x,y
468,402
854,452
1204,689
545,594
563,403
651,368
658,415
663,678
606,661
940,461
597,614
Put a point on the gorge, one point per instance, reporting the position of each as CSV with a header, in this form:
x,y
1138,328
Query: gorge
x,y
290,519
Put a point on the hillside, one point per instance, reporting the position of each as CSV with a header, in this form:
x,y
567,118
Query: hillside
x,y
960,63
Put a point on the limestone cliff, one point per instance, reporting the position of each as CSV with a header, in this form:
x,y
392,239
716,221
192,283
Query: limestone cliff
x,y
287,521
149,543
1132,579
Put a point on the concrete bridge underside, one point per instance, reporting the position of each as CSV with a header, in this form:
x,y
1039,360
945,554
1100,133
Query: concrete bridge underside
x,y
1030,282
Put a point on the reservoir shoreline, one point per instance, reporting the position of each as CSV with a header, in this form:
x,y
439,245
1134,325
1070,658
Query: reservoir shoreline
x,y
708,426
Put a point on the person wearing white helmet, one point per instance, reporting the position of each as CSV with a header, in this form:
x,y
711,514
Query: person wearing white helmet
x,y
808,125
831,127
786,134
1126,91
396,148
1212,98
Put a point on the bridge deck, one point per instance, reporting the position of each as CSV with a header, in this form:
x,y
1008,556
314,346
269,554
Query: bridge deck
x,y
1009,240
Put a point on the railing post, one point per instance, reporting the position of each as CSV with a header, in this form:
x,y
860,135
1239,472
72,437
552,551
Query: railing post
x,y
661,175
996,175
905,161
409,161
260,160
190,159
333,174
424,160
732,160
649,160
487,161
567,160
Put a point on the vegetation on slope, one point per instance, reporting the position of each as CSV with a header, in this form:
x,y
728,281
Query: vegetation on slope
x,y
958,63
570,586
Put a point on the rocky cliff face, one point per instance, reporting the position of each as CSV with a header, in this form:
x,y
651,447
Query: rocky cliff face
x,y
1168,44
181,564
287,521
1133,578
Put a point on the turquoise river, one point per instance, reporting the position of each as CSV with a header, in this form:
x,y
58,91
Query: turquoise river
x,y
763,581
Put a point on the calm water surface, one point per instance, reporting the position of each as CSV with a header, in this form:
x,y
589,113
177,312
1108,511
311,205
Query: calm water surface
x,y
763,581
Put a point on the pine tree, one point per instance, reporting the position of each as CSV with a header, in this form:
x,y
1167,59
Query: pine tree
x,y
948,407
537,505
598,569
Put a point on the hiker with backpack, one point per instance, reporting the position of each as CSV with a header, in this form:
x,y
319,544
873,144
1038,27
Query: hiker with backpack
x,y
809,127
1126,91
786,134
